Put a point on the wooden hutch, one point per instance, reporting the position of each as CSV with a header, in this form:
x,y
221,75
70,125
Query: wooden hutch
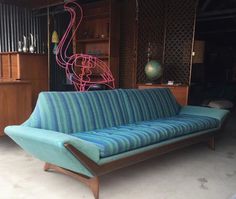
x,y
22,77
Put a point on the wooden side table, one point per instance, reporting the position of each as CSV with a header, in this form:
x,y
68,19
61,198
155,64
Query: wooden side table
x,y
179,91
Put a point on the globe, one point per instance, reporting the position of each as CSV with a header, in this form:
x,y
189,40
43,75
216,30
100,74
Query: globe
x,y
153,70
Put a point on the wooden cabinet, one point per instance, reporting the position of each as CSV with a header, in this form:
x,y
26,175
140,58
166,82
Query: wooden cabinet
x,y
98,34
26,66
180,92
15,102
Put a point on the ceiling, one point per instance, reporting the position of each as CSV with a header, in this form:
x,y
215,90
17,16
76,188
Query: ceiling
x,y
216,17
213,16
38,3
216,5
32,3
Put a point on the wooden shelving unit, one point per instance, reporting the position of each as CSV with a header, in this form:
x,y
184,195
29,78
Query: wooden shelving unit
x,y
99,35
98,15
93,40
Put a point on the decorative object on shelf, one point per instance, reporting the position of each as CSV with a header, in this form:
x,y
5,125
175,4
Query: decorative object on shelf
x,y
32,47
83,70
153,70
55,40
25,49
170,82
19,46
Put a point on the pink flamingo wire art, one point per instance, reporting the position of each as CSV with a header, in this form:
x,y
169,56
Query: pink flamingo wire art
x,y
84,63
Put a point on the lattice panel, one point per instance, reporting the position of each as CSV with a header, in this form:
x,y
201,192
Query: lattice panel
x,y
180,16
150,34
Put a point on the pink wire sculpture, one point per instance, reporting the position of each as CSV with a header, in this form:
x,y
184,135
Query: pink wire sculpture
x,y
87,65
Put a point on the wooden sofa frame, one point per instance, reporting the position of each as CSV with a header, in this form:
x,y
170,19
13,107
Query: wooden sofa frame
x,y
99,170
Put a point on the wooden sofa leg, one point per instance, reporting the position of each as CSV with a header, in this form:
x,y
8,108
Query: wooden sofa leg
x,y
211,143
92,183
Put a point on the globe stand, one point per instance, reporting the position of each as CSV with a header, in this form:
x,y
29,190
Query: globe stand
x,y
148,83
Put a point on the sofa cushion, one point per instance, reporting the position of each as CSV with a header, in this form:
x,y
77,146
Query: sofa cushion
x,y
69,112
149,104
115,140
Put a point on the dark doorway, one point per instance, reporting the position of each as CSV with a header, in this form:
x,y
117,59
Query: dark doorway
x,y
214,77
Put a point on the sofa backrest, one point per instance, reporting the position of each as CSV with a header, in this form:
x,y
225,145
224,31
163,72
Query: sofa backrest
x,y
149,104
70,112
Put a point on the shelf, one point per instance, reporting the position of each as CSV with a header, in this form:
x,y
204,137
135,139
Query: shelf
x,y
96,16
98,56
101,56
93,40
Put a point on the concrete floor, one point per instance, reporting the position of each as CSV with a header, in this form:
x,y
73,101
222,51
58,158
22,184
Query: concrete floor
x,y
191,173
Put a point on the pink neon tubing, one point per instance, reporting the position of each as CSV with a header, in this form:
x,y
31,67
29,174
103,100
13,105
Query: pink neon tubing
x,y
86,63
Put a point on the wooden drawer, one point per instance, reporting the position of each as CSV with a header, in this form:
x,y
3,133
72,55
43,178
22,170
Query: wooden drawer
x,y
9,68
180,92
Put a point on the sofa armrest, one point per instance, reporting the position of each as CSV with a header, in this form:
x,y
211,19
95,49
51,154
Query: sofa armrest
x,y
219,114
49,146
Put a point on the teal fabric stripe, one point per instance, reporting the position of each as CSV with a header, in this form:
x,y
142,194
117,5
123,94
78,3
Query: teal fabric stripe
x,y
149,104
111,141
69,112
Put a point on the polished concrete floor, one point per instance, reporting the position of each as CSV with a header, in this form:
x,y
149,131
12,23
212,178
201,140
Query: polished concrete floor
x,y
191,173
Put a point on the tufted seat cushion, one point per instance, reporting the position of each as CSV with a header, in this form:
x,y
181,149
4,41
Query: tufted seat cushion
x,y
115,140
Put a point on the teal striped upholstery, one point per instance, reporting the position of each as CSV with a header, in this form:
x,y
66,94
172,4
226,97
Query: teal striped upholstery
x,y
149,104
69,112
115,140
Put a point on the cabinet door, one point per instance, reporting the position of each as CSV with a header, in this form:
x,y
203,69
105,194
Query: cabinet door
x,y
15,104
9,66
181,94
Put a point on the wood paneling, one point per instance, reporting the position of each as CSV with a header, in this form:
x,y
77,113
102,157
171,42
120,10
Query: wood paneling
x,y
128,44
34,68
180,92
15,102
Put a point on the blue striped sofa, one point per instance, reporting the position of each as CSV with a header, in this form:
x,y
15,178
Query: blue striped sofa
x,y
88,134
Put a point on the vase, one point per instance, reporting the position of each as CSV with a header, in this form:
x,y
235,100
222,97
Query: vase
x,y
31,48
25,49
